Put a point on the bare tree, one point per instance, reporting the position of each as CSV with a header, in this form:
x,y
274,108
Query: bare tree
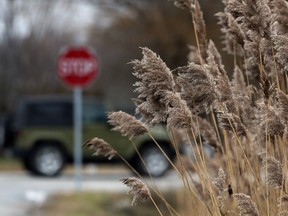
x,y
33,33
157,25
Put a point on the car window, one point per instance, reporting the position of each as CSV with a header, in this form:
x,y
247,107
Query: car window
x,y
49,113
93,112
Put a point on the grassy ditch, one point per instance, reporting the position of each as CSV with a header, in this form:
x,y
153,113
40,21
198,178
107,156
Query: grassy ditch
x,y
98,203
10,164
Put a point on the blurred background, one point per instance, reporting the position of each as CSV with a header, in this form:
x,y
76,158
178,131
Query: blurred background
x,y
32,33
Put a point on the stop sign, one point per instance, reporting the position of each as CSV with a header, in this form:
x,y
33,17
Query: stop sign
x,y
77,66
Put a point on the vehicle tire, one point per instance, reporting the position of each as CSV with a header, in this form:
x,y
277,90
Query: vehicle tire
x,y
47,160
26,164
154,160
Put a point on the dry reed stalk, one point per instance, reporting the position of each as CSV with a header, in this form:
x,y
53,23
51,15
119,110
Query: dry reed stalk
x,y
246,158
154,188
232,122
204,174
198,24
182,171
207,131
255,31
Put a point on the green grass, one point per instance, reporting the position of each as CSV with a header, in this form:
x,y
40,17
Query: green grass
x,y
96,203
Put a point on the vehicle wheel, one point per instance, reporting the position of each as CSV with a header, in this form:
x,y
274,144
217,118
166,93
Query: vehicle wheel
x,y
155,161
26,164
47,160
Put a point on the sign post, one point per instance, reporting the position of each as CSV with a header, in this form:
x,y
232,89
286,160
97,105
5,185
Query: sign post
x,y
77,132
77,66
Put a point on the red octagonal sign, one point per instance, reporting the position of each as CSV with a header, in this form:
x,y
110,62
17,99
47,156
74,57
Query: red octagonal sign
x,y
77,66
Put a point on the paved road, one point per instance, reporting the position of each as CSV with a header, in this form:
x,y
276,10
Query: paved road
x,y
19,190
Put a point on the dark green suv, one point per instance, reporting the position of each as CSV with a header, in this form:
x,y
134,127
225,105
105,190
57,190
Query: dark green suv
x,y
44,136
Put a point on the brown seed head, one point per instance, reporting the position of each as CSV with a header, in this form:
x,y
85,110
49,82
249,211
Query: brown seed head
x,y
207,131
179,115
232,122
126,124
155,78
270,123
283,200
282,100
275,176
219,181
100,147
246,205
138,189
196,88
184,4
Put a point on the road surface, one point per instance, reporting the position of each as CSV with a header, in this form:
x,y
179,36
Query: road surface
x,y
20,191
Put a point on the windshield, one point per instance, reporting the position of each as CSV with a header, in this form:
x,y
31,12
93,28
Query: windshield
x,y
93,112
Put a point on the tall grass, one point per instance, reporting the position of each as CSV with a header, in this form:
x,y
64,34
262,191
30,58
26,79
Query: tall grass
x,y
246,117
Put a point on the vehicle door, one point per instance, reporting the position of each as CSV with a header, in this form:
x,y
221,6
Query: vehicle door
x,y
95,125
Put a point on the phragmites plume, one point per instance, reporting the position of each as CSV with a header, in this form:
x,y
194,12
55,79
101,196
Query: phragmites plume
x,y
196,89
179,115
238,83
220,180
270,123
275,177
245,205
279,10
155,80
194,7
256,16
281,48
247,26
282,100
199,24
184,4
266,86
232,122
138,189
214,58
200,27
233,34
100,147
218,77
194,55
283,200
207,131
126,124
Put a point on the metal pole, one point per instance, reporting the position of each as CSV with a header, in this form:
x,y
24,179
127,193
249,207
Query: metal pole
x,y
77,104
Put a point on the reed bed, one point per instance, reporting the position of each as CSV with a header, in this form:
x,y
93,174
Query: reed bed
x,y
246,116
